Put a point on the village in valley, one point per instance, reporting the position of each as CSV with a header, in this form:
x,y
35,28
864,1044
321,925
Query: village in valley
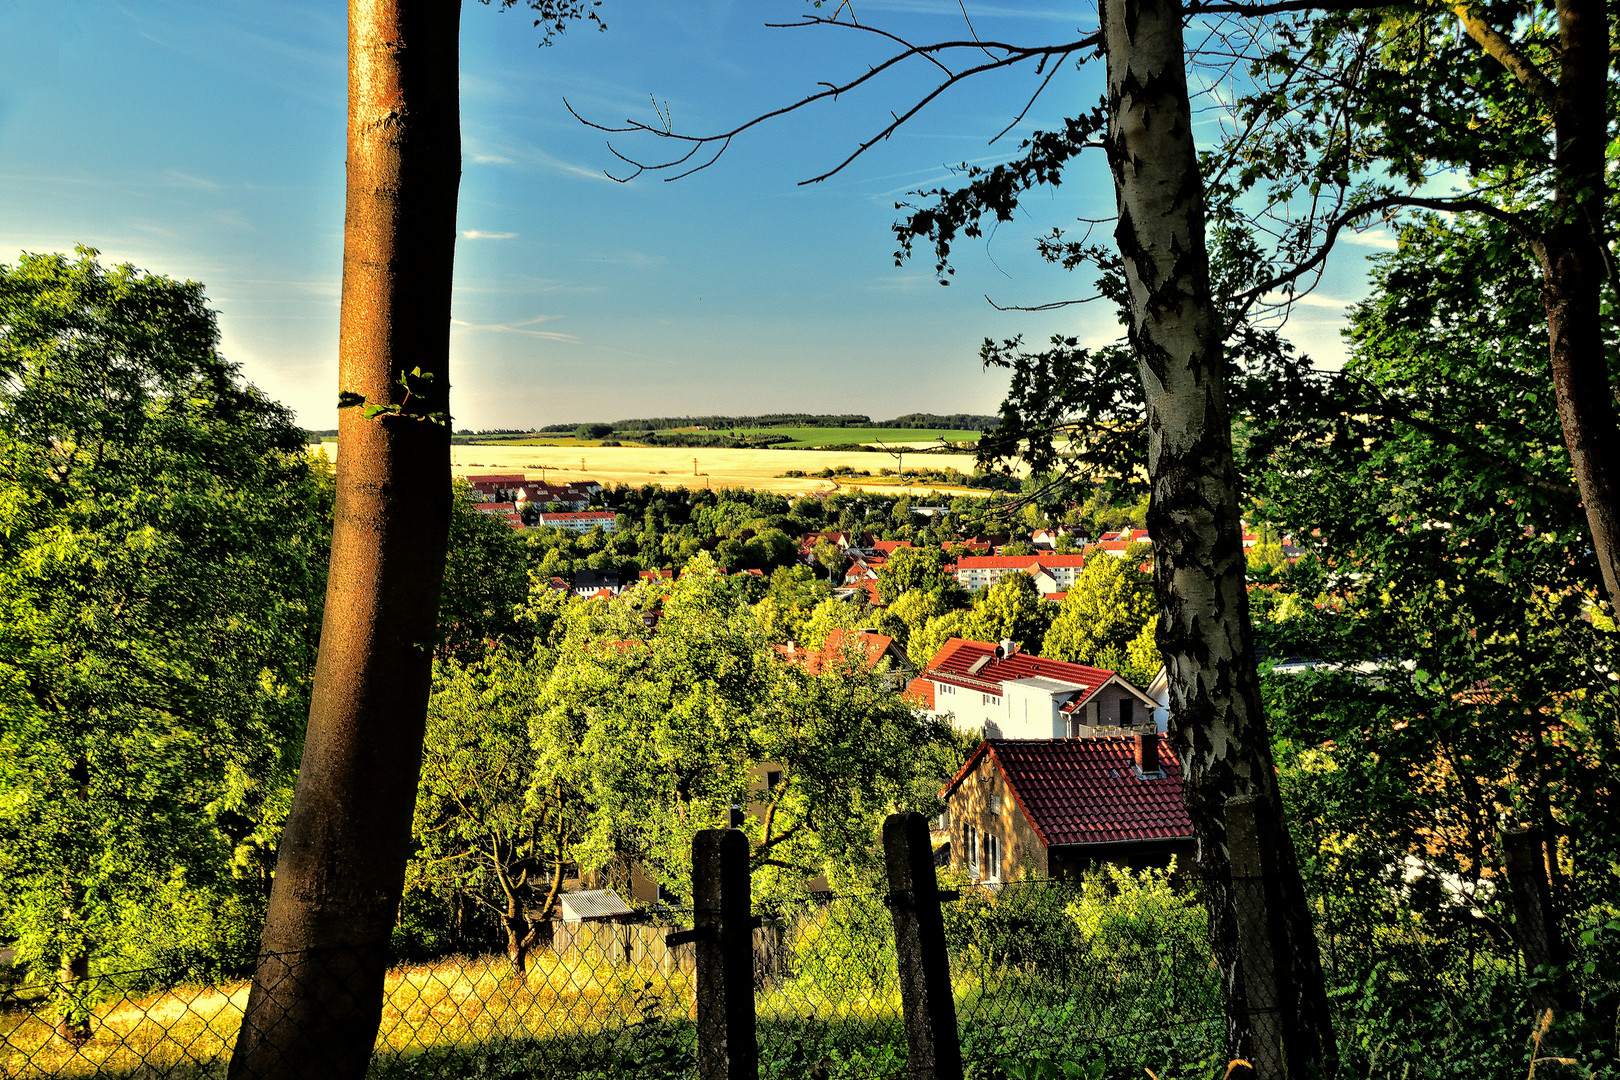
x,y
1067,765
1215,677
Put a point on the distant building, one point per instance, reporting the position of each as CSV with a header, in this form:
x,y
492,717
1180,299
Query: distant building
x,y
597,582
983,571
580,521
998,692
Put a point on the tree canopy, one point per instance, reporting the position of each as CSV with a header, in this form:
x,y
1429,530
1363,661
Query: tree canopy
x,y
162,562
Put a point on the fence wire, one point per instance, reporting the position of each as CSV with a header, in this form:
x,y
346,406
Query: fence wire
x,y
1036,980
1048,980
610,1002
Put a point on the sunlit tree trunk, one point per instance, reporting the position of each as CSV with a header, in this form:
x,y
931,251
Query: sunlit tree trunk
x,y
317,993
1203,631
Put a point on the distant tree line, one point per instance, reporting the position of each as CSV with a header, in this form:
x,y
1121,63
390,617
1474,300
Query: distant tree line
x,y
956,421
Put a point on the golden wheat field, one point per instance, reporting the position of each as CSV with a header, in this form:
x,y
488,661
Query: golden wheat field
x,y
758,470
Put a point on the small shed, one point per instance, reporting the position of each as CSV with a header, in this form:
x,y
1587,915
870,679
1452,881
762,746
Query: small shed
x,y
594,905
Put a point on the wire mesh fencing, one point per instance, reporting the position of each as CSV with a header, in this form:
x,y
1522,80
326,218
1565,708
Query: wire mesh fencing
x,y
826,994
609,1002
1043,972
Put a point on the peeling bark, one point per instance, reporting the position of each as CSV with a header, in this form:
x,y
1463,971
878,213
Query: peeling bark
x,y
1216,716
317,993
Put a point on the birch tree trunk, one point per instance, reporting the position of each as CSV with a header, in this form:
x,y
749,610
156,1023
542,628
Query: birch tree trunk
x,y
1216,717
317,993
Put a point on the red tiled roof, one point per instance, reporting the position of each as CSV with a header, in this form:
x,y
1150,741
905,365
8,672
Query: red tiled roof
x,y
1018,562
873,645
496,508
889,547
1056,597
658,575
921,691
956,658
495,478
1087,791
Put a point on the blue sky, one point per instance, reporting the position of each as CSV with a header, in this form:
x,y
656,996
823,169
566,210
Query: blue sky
x,y
205,141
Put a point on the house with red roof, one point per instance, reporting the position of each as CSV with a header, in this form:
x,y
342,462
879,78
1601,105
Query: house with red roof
x,y
866,646
997,691
505,511
983,571
1047,539
1054,807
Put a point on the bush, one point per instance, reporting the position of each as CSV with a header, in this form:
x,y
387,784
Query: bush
x,y
845,949
1120,909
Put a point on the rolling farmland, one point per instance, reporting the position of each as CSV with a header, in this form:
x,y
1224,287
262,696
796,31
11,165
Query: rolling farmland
x,y
759,470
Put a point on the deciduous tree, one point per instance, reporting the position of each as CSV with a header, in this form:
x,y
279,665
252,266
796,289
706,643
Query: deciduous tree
x,y
317,993
162,556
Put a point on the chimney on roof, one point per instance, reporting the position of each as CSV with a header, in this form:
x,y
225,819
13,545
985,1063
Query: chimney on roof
x,y
1008,646
1147,752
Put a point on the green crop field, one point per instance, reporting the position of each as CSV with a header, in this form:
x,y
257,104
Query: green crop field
x,y
823,436
802,438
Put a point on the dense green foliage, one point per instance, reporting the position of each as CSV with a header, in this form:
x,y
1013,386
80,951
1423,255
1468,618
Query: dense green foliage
x,y
163,539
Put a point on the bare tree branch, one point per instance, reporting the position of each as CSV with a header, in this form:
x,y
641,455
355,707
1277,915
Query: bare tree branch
x,y
1003,55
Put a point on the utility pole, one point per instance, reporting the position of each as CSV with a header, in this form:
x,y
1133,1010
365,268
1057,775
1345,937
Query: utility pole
x,y
694,466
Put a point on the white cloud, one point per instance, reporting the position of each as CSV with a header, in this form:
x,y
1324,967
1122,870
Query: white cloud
x,y
480,234
519,328
1382,239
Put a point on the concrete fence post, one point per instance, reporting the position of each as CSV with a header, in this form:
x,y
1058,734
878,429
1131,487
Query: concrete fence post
x,y
1249,820
1535,923
723,930
934,1052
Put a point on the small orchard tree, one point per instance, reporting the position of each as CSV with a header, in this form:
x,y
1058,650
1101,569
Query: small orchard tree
x,y
492,825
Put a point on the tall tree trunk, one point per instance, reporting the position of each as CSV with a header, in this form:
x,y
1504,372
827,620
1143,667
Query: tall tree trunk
x,y
317,994
1216,717
1573,262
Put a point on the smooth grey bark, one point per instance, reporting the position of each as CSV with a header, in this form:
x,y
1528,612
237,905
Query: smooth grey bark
x,y
1216,717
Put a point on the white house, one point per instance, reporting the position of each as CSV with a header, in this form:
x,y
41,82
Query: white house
x,y
997,692
1052,573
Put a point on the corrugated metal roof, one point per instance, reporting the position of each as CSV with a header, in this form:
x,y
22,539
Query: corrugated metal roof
x,y
592,904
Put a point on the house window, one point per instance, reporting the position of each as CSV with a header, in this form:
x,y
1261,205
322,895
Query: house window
x,y
773,779
992,802
991,846
944,823
1127,709
987,699
970,850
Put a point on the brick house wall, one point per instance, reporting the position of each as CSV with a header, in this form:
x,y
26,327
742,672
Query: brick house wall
x,y
983,803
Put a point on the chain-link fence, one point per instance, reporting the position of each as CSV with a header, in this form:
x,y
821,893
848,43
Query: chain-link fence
x,y
1049,971
1105,977
614,1000
611,1002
